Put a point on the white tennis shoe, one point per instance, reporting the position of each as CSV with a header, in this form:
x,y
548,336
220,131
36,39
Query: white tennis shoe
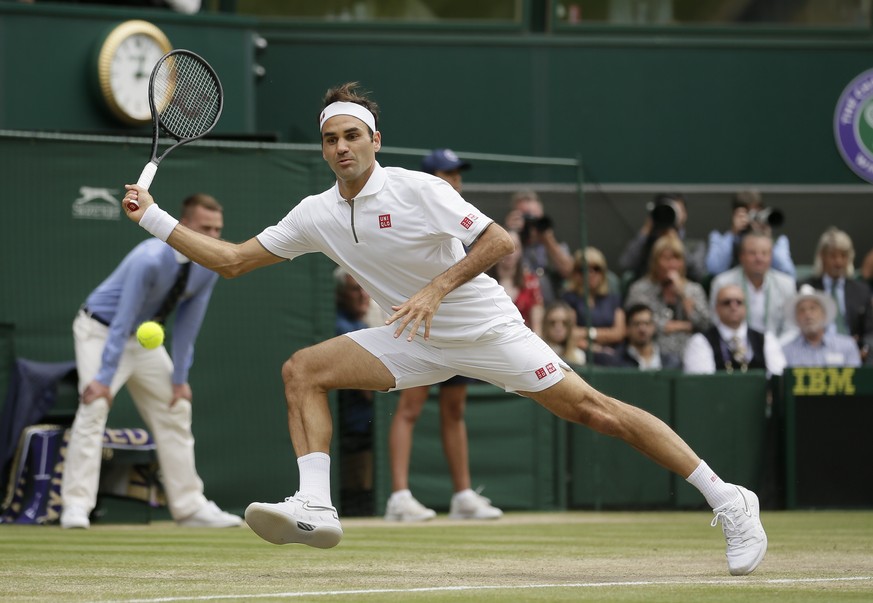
x,y
743,531
472,505
73,517
404,507
210,516
295,520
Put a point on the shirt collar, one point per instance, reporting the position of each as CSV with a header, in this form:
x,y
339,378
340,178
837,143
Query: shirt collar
x,y
831,283
375,184
728,333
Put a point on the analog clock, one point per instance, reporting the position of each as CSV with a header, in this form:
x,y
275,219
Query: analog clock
x,y
124,64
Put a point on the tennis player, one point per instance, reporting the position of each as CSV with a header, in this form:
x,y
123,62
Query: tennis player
x,y
401,234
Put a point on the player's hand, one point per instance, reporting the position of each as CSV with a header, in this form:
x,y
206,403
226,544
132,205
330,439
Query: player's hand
x,y
95,390
138,195
181,391
418,310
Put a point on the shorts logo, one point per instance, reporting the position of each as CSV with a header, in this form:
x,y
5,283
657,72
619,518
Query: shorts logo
x,y
853,125
551,368
385,221
467,222
541,373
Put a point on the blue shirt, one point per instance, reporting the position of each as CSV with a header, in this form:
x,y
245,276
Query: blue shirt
x,y
834,350
133,293
720,253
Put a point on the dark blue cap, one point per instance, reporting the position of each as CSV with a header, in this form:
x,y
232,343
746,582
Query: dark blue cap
x,y
443,160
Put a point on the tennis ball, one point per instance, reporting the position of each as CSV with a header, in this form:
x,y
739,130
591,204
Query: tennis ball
x,y
150,335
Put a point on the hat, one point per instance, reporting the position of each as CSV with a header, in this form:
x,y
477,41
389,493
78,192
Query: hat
x,y
443,160
808,292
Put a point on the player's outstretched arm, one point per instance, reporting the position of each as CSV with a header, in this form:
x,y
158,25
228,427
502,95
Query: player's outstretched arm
x,y
227,259
492,244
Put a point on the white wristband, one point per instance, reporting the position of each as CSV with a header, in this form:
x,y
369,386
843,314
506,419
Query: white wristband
x,y
157,222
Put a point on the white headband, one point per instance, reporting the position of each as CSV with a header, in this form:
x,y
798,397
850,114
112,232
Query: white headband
x,y
343,108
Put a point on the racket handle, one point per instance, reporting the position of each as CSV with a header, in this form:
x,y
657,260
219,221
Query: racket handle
x,y
145,181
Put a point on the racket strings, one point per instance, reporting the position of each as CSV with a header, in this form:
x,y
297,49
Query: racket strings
x,y
187,96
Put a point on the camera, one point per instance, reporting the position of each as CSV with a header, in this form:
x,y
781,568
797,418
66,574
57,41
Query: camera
x,y
538,224
664,211
767,216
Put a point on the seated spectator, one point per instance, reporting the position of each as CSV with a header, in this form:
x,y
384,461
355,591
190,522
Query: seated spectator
x,y
866,272
639,350
815,346
543,255
679,306
607,316
522,286
730,345
765,290
833,269
667,215
559,323
748,215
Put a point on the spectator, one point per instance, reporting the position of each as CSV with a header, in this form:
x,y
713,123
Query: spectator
x,y
148,284
543,254
355,406
558,326
667,215
678,305
730,345
815,346
607,316
765,290
867,269
748,215
465,503
833,269
640,350
522,286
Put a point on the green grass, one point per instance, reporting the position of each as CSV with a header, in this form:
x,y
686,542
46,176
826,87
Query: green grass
x,y
676,557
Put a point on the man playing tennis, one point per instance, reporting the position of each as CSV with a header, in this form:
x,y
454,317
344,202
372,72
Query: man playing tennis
x,y
401,235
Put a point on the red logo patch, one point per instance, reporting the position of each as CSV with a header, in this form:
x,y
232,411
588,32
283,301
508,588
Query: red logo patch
x,y
385,221
467,223
551,368
541,373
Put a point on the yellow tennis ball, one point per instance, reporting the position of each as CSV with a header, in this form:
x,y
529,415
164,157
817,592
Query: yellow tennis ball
x,y
150,335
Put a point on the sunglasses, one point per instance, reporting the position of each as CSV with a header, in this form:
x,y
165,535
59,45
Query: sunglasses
x,y
731,301
591,268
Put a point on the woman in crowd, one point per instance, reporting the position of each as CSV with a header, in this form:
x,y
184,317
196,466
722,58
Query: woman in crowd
x,y
679,306
559,323
607,316
521,285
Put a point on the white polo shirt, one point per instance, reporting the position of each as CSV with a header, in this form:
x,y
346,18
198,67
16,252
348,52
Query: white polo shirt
x,y
402,230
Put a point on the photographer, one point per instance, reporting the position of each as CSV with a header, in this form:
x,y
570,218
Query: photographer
x,y
748,215
667,214
542,253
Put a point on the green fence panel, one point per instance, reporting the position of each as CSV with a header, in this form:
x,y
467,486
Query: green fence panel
x,y
722,417
517,452
605,472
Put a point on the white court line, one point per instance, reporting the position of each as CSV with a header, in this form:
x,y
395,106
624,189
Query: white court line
x,y
434,589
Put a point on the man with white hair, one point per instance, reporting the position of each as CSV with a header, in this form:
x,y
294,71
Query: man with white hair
x,y
833,270
814,311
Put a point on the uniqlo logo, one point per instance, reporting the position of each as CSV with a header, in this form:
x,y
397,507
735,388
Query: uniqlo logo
x,y
551,368
467,222
541,373
385,221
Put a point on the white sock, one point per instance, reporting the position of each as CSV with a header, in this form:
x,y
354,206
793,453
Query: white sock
x,y
398,494
464,493
716,492
315,477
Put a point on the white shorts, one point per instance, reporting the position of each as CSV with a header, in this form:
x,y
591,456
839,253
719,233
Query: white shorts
x,y
510,356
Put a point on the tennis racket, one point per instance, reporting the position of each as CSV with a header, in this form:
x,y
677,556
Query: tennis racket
x,y
185,99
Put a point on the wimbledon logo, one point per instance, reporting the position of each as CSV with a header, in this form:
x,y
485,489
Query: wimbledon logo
x,y
853,125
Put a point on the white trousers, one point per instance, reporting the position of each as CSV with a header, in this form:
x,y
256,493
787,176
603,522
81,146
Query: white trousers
x,y
148,376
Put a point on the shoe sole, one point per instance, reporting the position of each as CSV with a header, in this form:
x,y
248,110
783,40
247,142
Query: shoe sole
x,y
403,519
279,528
755,564
483,517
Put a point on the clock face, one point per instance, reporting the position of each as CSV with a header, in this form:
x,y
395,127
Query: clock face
x,y
124,66
129,74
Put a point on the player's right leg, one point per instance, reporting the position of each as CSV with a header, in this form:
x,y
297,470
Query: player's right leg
x,y
308,517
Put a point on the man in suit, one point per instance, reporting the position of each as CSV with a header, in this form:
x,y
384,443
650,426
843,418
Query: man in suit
x,y
639,349
731,345
765,290
833,269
